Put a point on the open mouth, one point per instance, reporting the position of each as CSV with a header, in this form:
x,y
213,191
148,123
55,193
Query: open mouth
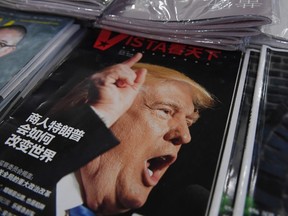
x,y
156,167
159,163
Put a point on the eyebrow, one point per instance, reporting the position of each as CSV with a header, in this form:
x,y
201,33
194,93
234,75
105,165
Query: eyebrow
x,y
193,116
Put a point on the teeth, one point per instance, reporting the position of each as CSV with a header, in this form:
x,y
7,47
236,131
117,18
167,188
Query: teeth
x,y
150,172
163,158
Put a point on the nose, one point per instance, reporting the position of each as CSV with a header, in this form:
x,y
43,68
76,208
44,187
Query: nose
x,y
179,132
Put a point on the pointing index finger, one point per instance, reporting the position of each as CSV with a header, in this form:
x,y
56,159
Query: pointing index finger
x,y
134,59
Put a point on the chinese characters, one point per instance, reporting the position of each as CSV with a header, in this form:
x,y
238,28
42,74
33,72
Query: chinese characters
x,y
33,137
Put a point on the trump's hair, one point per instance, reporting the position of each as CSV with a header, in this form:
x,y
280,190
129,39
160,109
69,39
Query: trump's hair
x,y
202,99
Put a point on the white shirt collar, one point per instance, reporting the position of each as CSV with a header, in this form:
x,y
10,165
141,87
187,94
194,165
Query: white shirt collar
x,y
68,194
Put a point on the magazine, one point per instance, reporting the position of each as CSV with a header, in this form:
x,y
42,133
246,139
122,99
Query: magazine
x,y
263,190
47,63
51,137
217,24
32,38
84,9
187,14
250,66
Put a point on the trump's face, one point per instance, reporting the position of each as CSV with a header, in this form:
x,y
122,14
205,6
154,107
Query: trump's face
x,y
151,133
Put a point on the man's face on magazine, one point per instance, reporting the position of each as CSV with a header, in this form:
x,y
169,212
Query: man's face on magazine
x,y
8,40
151,133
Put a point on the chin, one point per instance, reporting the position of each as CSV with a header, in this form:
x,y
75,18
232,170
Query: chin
x,y
124,204
134,201
133,204
112,212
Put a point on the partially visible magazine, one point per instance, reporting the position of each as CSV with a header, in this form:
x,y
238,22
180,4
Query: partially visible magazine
x,y
27,40
263,190
85,9
41,146
192,14
40,71
250,65
217,24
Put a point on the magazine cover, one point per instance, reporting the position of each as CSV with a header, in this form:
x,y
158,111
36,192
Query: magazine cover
x,y
126,125
42,68
264,187
24,38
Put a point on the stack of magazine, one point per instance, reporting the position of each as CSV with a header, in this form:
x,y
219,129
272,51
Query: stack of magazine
x,y
236,161
216,24
34,44
274,34
85,9
256,181
264,168
279,28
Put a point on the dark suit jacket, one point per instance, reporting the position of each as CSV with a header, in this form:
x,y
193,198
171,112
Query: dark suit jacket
x,y
71,155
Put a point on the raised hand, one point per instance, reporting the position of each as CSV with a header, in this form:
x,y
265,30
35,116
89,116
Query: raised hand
x,y
114,89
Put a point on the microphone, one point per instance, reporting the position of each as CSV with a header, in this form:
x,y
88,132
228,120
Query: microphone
x,y
192,201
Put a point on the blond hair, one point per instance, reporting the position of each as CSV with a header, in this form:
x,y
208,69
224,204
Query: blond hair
x,y
81,93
